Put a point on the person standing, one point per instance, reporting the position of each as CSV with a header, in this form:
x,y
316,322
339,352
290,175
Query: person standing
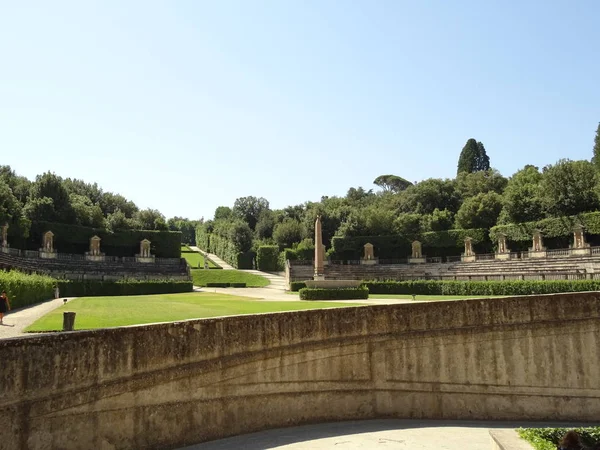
x,y
4,305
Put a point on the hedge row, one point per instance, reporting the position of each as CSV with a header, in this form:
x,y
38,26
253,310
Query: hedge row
x,y
295,286
125,287
267,258
433,287
557,232
76,239
24,290
226,285
224,249
334,294
434,243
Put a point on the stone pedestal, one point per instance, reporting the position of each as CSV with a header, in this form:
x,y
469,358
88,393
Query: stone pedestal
x,y
581,251
4,249
502,256
537,253
144,259
470,258
98,258
318,277
48,255
419,260
368,262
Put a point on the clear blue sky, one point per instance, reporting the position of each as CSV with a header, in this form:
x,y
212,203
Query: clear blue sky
x,y
186,105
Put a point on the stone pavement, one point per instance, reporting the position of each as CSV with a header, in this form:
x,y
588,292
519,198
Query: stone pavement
x,y
369,434
19,319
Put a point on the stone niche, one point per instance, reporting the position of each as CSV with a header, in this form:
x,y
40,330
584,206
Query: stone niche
x,y
580,247
369,255
537,250
144,256
94,254
48,251
469,254
416,256
503,251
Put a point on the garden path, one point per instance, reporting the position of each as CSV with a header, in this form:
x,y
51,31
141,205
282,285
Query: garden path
x,y
214,258
17,320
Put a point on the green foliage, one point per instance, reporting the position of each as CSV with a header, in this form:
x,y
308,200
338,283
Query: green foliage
x,y
408,225
265,225
295,286
485,288
288,232
267,258
473,158
51,186
549,438
10,208
596,150
249,209
438,220
426,196
76,239
225,285
122,287
481,182
522,197
223,213
334,294
392,183
570,187
150,219
86,213
385,247
481,211
229,240
24,290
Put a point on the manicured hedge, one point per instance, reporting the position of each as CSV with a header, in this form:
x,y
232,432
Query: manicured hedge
x,y
334,294
76,239
267,258
295,286
434,243
434,287
226,285
548,438
129,287
224,249
557,232
24,290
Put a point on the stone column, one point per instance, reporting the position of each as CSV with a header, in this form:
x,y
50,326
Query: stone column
x,y
5,236
580,247
537,250
319,253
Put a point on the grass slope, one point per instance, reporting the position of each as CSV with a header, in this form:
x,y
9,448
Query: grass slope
x,y
200,277
194,259
102,312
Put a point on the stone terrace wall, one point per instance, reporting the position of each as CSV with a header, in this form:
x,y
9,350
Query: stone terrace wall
x,y
169,385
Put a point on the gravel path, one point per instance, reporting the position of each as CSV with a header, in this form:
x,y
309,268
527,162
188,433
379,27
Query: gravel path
x,y
19,319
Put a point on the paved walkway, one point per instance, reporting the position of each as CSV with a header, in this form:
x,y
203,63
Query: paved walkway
x,y
214,258
369,434
17,320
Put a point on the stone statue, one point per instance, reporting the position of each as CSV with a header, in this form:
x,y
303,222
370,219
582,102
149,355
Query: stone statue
x,y
145,248
469,247
538,243
578,237
95,246
48,242
416,250
502,248
369,254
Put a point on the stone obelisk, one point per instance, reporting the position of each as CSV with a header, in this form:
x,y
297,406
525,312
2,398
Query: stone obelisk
x,y
319,254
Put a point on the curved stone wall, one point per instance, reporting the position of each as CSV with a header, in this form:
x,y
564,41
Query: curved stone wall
x,y
170,385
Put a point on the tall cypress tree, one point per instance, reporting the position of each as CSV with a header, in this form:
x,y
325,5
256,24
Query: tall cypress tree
x,y
596,157
468,159
483,160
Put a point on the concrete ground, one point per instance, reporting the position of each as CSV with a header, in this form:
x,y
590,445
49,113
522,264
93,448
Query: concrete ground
x,y
17,320
370,434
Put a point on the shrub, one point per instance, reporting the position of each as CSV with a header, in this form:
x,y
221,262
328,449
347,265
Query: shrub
x,y
435,287
548,438
76,239
267,258
295,286
24,290
334,294
124,287
226,285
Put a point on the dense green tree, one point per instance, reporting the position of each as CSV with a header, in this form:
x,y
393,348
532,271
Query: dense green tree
x,y
392,183
480,182
51,186
86,213
265,225
288,232
10,207
39,209
80,187
438,220
118,221
408,225
481,211
241,235
569,188
249,209
186,227
110,203
223,213
150,219
522,198
20,186
473,157
426,196
596,150
358,195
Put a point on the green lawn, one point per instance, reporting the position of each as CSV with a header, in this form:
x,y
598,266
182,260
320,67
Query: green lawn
x,y
200,277
102,312
194,259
